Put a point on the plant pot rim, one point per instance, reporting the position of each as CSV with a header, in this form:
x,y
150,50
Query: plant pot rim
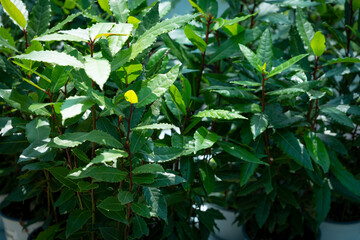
x,y
342,223
246,236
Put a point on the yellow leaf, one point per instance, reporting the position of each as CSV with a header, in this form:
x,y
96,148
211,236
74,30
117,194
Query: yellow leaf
x,y
131,97
134,21
108,35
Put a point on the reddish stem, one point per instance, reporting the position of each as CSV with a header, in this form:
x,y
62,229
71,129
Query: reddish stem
x,y
308,115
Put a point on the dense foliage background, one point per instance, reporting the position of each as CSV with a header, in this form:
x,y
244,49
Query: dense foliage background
x,y
117,123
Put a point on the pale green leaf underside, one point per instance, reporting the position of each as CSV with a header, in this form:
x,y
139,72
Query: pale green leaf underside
x,y
16,9
220,114
258,124
74,139
74,106
53,57
110,155
158,126
98,70
102,173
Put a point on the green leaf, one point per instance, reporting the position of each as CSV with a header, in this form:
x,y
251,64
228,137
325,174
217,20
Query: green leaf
x,y
148,38
118,216
258,124
80,155
254,60
116,42
156,200
98,70
287,91
317,150
39,18
177,98
141,209
219,114
54,57
148,168
120,10
110,233
292,147
140,227
37,149
233,92
223,22
343,60
247,169
264,50
63,37
6,44
263,211
282,67
157,86
344,176
166,179
204,139
145,178
338,116
76,220
60,174
130,72
355,5
37,129
125,197
59,77
240,153
318,44
110,155
87,186
111,204
197,7
74,139
164,154
102,173
304,28
16,9
195,39
61,24
157,126
74,106
226,49
180,52
322,201
104,4
207,176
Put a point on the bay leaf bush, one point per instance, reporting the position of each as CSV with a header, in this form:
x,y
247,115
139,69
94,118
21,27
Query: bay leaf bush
x,y
122,124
